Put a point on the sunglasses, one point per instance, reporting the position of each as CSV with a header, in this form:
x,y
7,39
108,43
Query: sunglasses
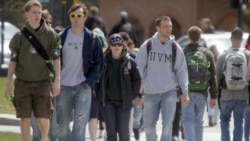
x,y
116,44
76,15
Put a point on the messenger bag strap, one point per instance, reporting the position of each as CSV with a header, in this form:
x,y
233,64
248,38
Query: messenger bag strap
x,y
39,49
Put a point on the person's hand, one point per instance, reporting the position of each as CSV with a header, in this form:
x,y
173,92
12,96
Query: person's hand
x,y
7,92
85,85
139,102
212,103
56,88
185,99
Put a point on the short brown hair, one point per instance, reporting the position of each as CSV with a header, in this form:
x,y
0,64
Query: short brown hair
x,y
237,33
161,18
46,15
31,3
125,36
194,33
78,5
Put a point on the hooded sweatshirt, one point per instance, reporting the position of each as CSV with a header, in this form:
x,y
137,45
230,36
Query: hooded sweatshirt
x,y
156,68
30,65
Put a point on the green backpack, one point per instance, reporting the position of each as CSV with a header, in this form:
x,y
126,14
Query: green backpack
x,y
198,65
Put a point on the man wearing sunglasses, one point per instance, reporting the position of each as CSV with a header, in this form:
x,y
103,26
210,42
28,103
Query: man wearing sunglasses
x,y
82,65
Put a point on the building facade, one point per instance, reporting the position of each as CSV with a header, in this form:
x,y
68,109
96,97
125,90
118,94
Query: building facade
x,y
184,13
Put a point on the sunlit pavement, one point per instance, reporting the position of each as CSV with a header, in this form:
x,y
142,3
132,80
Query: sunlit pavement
x,y
210,133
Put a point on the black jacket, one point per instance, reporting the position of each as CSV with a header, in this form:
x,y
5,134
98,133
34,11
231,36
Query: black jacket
x,y
130,80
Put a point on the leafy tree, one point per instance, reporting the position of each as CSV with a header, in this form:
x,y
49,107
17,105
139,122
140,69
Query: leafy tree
x,y
13,12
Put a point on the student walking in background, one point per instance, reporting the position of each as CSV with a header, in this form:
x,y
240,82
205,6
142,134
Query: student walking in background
x,y
201,68
231,70
162,67
119,86
137,110
247,110
124,26
33,83
82,66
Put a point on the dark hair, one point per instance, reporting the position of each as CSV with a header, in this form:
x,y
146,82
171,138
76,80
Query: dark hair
x,y
161,18
194,33
125,36
78,5
46,16
237,33
31,3
94,10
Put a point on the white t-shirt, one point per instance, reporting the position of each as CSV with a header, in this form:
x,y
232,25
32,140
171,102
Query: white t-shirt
x,y
72,67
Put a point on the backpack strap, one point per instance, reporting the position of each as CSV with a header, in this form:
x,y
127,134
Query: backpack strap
x,y
174,46
149,47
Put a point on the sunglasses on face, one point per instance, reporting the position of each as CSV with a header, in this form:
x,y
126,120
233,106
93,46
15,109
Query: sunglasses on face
x,y
76,15
116,44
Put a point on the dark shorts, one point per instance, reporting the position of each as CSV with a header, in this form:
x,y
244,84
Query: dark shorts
x,y
94,111
33,96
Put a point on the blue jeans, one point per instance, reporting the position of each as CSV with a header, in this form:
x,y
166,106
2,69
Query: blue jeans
x,y
192,117
53,130
117,121
247,123
137,116
153,104
77,100
227,107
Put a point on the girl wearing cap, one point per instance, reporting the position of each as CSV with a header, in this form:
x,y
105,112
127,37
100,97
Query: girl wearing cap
x,y
119,85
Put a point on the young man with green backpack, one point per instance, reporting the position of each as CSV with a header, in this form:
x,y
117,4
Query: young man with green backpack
x,y
201,74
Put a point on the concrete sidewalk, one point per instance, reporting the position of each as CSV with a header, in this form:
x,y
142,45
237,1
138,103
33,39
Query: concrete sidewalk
x,y
9,123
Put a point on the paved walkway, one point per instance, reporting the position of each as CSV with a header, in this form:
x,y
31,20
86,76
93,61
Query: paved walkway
x,y
8,123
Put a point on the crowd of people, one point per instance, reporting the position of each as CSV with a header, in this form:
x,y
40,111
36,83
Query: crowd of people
x,y
83,75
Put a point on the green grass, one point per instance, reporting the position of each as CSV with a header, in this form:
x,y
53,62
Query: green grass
x,y
6,106
8,136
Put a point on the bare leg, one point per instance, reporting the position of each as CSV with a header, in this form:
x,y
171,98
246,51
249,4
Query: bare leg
x,y
25,128
44,128
93,128
101,128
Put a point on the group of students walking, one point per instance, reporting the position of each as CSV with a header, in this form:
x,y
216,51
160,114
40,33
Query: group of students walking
x,y
120,78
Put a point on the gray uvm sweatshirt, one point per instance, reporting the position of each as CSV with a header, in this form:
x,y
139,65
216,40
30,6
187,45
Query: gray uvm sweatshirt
x,y
156,69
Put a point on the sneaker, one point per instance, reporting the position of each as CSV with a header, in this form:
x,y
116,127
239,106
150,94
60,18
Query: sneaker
x,y
100,134
136,134
175,138
210,121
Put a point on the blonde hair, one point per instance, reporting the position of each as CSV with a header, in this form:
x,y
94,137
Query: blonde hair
x,y
31,3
